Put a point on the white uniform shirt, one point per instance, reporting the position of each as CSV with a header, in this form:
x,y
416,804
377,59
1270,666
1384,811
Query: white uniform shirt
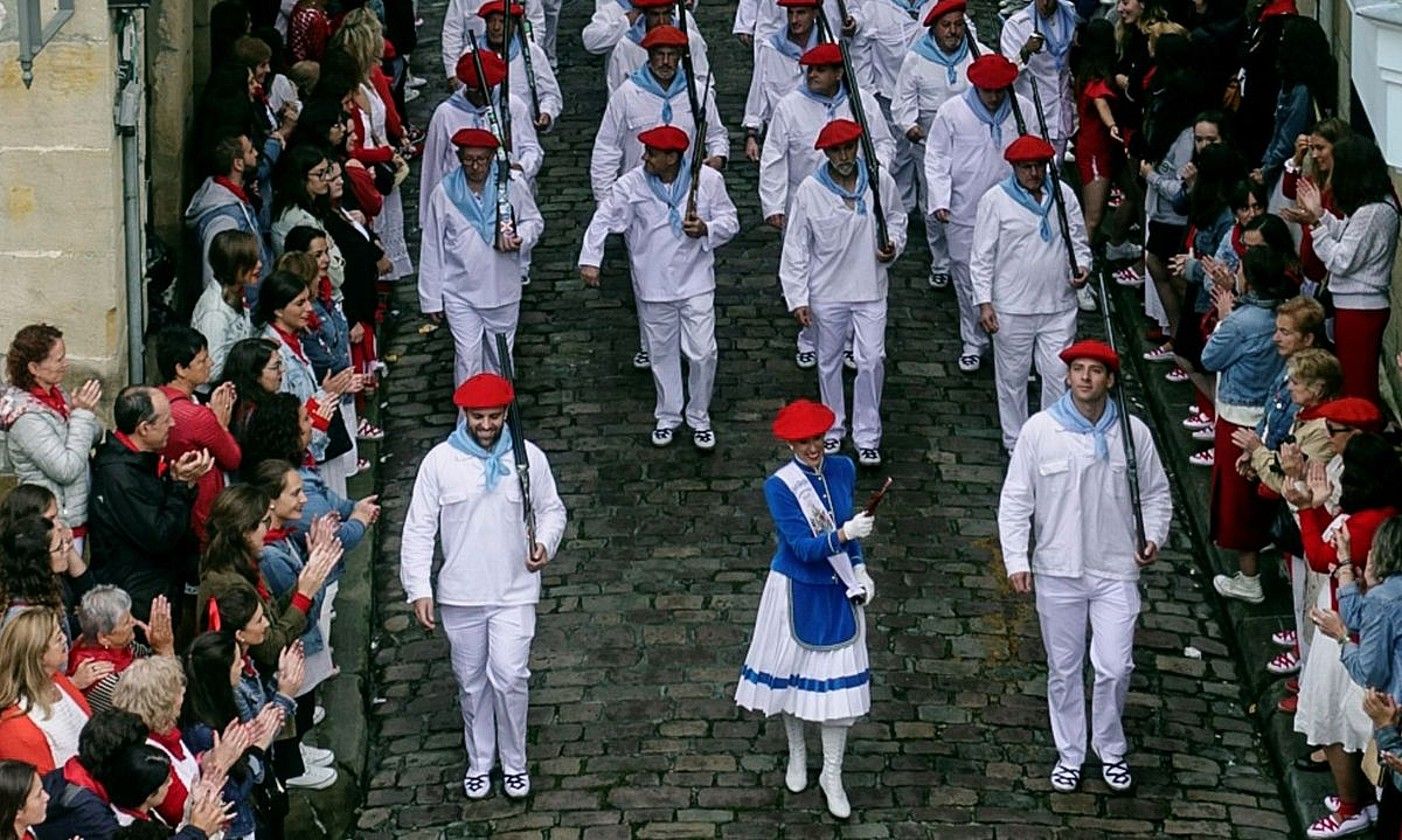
x,y
962,160
922,86
628,56
484,534
547,85
456,113
762,18
1012,268
829,251
776,75
610,23
461,18
665,267
788,156
454,260
1077,507
885,30
1058,101
631,111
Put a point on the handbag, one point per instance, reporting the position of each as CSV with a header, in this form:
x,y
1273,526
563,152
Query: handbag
x,y
1284,531
339,440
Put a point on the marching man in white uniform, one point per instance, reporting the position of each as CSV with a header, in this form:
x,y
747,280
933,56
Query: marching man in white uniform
x,y
833,272
1066,492
1022,280
963,160
617,30
777,70
469,108
672,253
1039,39
468,492
462,19
469,270
789,156
934,71
548,94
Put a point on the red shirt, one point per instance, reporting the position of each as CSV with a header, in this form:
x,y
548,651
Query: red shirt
x,y
197,428
1321,555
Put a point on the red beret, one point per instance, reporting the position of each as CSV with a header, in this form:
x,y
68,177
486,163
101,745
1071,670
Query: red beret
x,y
991,71
1354,412
485,390
837,133
945,7
475,138
665,35
492,66
652,4
798,4
493,7
1029,149
1096,351
667,138
803,419
822,56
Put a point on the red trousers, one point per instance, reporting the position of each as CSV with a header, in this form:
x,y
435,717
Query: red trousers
x,y
1358,342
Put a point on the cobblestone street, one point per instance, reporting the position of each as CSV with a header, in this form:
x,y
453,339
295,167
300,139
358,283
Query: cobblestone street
x,y
647,610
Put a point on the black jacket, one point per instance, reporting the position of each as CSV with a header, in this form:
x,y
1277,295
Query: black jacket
x,y
137,521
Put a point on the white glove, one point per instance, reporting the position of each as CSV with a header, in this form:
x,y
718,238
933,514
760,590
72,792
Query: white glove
x,y
858,527
867,583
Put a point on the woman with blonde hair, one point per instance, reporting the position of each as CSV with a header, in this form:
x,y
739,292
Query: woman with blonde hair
x,y
153,689
43,711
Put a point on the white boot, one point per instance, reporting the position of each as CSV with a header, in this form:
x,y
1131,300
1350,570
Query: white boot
x,y
830,780
796,779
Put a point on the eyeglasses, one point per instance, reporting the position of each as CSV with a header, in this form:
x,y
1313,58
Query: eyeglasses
x,y
323,175
1334,430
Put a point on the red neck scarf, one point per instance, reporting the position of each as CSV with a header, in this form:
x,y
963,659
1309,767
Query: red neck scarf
x,y
1238,247
292,340
76,774
161,465
276,535
239,192
52,398
324,291
83,651
170,740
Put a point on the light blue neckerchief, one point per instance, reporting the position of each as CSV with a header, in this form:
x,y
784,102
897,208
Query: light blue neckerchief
x,y
1058,34
995,120
831,103
780,41
925,47
643,78
480,211
858,195
672,194
514,49
638,30
910,7
1024,198
459,100
1064,412
494,465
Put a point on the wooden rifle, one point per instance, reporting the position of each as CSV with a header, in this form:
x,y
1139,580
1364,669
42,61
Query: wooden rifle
x,y
698,155
877,498
526,37
505,212
518,444
854,101
698,111
506,22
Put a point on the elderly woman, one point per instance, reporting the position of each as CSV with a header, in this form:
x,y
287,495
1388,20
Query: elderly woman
x,y
48,435
109,639
39,567
154,690
43,711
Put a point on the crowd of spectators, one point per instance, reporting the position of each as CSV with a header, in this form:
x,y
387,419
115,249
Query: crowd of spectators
x,y
169,581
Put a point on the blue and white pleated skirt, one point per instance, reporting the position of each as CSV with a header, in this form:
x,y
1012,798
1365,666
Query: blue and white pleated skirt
x,y
783,675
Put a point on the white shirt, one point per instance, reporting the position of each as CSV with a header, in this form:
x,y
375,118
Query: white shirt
x,y
547,85
483,534
461,18
61,726
1058,101
788,156
829,251
610,23
922,86
962,159
628,56
631,111
762,18
455,261
666,266
456,113
1012,268
884,32
1077,507
775,76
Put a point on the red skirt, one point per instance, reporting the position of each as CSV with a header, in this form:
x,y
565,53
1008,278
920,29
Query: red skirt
x,y
1241,519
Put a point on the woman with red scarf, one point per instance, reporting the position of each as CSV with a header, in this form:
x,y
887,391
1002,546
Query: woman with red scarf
x,y
109,637
154,690
48,436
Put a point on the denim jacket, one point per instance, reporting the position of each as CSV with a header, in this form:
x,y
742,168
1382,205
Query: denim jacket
x,y
1205,242
299,380
1241,350
328,347
281,562
322,500
1280,414
1375,660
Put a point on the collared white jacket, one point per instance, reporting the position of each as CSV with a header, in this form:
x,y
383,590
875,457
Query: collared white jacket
x,y
1011,266
609,23
762,18
628,56
461,18
829,253
962,159
666,267
1058,99
788,156
1076,508
631,111
775,76
483,534
922,86
884,32
455,261
456,113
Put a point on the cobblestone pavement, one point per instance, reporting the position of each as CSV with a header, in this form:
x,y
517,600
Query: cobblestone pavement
x,y
647,610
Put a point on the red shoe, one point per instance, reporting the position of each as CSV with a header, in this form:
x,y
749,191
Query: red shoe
x,y
1288,704
1292,685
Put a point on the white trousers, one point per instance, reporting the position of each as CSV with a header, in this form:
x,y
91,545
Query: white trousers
x,y
670,331
864,325
548,38
490,649
474,335
959,240
1064,607
337,471
1020,340
906,162
934,231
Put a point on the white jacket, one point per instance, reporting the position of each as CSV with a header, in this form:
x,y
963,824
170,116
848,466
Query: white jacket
x,y
221,325
1012,268
829,253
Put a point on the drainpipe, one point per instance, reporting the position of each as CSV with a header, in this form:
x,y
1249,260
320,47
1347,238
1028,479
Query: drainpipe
x,y
127,118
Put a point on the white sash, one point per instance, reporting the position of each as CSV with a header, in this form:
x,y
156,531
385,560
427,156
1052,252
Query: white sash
x,y
821,520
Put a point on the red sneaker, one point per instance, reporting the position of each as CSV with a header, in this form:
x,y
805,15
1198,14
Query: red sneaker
x,y
1288,704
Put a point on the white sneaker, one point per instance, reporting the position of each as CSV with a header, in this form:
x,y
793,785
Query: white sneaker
x,y
969,362
414,81
703,439
1332,803
831,446
319,715
1085,301
516,785
661,437
410,94
1206,433
848,360
642,361
805,359
1116,775
1332,825
869,457
1239,586
940,279
1126,250
314,778
316,756
477,787
1064,778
